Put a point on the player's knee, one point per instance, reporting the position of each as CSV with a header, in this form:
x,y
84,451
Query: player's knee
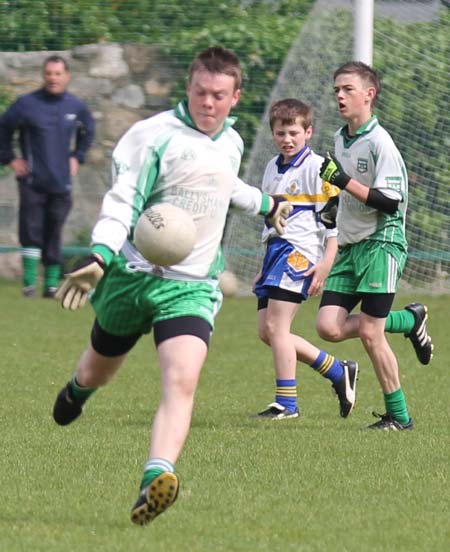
x,y
263,336
367,336
181,383
327,331
269,330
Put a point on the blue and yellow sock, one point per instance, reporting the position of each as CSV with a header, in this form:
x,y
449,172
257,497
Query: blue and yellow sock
x,y
286,394
396,406
328,366
155,467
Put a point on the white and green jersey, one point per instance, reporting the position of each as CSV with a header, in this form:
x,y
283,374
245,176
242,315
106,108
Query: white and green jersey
x,y
166,159
371,158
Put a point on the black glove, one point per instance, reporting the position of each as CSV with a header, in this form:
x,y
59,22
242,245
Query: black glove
x,y
73,292
332,172
327,215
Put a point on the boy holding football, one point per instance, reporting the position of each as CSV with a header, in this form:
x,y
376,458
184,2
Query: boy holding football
x,y
296,264
371,174
190,157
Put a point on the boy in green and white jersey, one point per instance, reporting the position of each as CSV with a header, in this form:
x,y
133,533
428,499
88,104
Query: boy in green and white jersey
x,y
370,171
372,158
190,157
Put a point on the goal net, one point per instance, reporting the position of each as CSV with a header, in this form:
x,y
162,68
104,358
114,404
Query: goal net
x,y
411,52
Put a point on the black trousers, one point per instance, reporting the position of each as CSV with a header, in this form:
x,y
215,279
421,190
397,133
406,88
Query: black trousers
x,y
41,219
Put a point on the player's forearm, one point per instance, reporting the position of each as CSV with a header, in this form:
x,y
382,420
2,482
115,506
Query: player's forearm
x,y
357,190
372,197
110,233
330,252
249,198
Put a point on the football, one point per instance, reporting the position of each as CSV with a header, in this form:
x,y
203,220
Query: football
x,y
165,234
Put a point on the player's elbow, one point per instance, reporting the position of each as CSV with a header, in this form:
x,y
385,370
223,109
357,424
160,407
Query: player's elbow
x,y
378,200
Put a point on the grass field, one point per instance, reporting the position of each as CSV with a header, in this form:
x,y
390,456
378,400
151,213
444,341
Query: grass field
x,y
318,483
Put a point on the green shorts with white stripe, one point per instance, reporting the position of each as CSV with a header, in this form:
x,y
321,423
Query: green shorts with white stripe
x,y
128,302
369,266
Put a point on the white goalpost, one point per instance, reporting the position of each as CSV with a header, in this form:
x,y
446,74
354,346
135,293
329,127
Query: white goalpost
x,y
363,31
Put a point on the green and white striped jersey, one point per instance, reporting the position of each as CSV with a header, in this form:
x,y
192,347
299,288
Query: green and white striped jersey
x,y
166,159
371,158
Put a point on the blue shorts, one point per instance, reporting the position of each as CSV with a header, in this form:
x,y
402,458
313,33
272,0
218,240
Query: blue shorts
x,y
284,268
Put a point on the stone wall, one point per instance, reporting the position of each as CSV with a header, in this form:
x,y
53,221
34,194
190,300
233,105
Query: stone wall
x,y
121,84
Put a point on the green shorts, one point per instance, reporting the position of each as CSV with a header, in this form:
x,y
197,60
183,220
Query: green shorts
x,y
367,267
128,302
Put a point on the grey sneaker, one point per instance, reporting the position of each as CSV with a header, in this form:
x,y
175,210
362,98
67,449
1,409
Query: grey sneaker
x,y
276,411
388,423
155,498
419,337
345,389
29,291
49,293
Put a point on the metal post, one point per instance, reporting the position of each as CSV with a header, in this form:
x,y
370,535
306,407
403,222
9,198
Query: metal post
x,y
363,30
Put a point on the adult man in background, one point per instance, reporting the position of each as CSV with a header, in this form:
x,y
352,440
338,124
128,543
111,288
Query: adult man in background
x,y
55,130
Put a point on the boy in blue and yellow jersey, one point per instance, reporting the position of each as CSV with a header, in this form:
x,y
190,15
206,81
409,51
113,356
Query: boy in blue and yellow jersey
x,y
297,263
370,171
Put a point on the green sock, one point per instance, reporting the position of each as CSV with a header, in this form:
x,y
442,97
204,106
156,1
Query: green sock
x,y
150,475
399,322
155,467
30,264
79,391
396,406
52,276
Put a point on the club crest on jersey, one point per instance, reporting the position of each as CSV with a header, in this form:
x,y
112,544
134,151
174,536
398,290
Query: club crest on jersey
x,y
292,188
188,154
362,165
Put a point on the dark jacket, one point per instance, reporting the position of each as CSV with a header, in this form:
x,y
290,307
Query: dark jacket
x,y
51,128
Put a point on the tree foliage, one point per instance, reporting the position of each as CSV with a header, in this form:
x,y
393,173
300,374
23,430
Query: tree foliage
x,y
58,25
259,31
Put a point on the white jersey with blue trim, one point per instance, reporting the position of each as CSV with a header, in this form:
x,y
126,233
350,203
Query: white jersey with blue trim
x,y
300,183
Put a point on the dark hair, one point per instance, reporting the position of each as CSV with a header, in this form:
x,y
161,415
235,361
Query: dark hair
x,y
55,59
286,111
217,59
364,71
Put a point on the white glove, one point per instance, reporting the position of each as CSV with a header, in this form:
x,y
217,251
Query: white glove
x,y
73,292
280,209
